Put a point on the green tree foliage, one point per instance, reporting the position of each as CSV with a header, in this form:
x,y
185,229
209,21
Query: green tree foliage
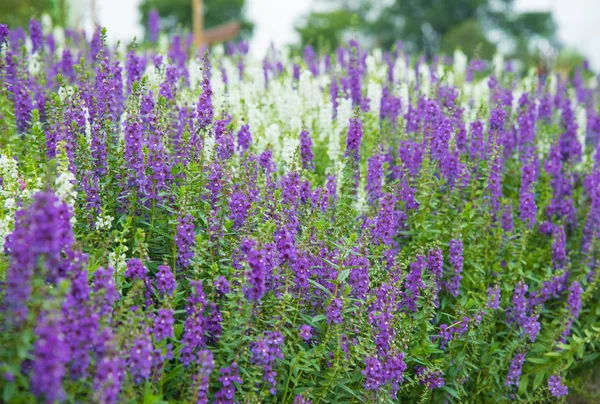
x,y
428,26
470,38
176,14
324,30
17,13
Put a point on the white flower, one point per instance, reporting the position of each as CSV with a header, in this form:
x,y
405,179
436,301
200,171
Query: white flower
x,y
400,69
404,98
325,122
119,263
104,222
10,204
460,63
374,94
498,63
581,118
424,79
290,145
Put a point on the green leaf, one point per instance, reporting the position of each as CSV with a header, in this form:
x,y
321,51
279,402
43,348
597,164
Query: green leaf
x,y
343,275
319,317
451,391
539,377
523,385
318,285
539,361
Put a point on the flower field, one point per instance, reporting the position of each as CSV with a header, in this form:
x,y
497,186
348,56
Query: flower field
x,y
365,226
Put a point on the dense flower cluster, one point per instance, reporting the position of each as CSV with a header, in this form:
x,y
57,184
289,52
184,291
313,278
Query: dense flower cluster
x,y
186,225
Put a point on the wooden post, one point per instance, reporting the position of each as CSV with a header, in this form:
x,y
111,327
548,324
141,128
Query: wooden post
x,y
198,19
94,13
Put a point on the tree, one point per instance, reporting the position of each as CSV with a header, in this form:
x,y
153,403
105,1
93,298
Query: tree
x,y
470,38
429,26
324,30
16,13
177,14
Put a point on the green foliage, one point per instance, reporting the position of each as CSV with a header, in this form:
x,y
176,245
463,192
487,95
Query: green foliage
x,y
470,39
325,30
177,14
16,13
427,26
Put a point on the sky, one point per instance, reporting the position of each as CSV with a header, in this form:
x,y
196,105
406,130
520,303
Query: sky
x,y
578,21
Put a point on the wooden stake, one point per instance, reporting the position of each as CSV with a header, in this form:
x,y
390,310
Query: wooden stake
x,y
94,12
198,19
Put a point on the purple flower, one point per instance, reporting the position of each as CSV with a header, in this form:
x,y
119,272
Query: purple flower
x,y
359,274
229,375
194,327
514,372
497,117
354,73
305,332
493,298
431,379
463,327
374,177
239,206
334,311
574,306
374,375
224,137
435,262
36,35
42,231
477,145
108,379
299,399
257,276
185,240
306,150
135,269
556,386
394,369
268,348
163,324
51,355
222,285
3,34
574,300
244,138
414,283
96,43
456,261
134,153
135,66
559,247
353,138
494,180
140,358
518,311
204,109
445,335
79,320
532,326
106,293
23,106
153,25
381,315
165,280
201,381
508,224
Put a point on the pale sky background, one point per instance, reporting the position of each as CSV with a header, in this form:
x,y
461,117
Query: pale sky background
x,y
578,21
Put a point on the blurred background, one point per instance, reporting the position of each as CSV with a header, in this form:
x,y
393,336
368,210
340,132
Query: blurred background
x,y
534,31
